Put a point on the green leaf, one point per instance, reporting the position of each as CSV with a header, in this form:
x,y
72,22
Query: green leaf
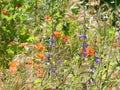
x,y
10,51
74,9
10,17
111,31
37,81
23,31
4,29
76,59
65,61
31,38
65,27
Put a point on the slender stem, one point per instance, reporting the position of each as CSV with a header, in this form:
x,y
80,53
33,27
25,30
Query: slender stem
x,y
36,11
0,8
84,27
14,8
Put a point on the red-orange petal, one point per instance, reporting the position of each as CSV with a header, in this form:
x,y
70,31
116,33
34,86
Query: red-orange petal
x,y
39,55
39,46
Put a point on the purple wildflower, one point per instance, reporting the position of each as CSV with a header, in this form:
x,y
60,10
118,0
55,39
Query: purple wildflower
x,y
47,55
84,87
84,49
89,82
51,39
52,69
92,72
84,45
59,61
51,45
82,36
91,67
97,59
84,55
92,79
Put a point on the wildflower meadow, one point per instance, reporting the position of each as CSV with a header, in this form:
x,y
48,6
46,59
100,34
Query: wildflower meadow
x,y
59,44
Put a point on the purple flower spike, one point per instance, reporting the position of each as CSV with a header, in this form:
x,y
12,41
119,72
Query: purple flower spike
x,y
91,67
47,55
84,55
59,61
89,82
82,36
92,79
84,49
51,39
97,59
52,69
84,45
92,73
51,45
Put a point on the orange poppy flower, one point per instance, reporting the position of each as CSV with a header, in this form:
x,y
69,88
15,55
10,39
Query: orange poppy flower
x,y
39,55
36,72
13,63
57,34
41,71
30,62
36,65
23,44
39,46
115,44
81,48
4,12
65,38
109,87
47,17
12,70
90,50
